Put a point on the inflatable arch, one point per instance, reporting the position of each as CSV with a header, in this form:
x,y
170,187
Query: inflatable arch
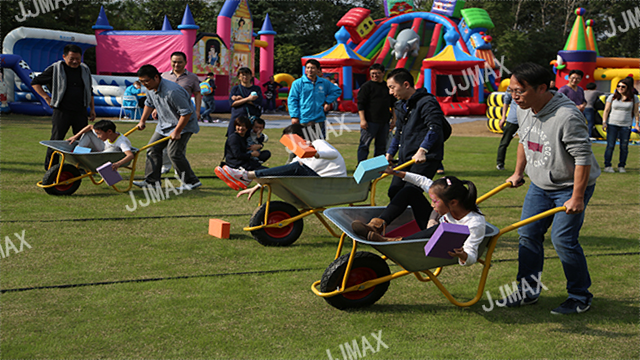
x,y
22,69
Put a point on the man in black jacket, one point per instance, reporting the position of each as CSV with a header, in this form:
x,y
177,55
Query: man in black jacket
x,y
421,128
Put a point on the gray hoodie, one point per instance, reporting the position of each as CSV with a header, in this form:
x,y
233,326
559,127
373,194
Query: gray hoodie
x,y
555,140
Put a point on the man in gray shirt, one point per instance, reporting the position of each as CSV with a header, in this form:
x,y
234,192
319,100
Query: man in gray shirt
x,y
555,152
175,119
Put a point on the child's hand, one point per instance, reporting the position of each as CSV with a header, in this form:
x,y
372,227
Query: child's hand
x,y
389,170
459,253
255,153
72,139
255,147
115,166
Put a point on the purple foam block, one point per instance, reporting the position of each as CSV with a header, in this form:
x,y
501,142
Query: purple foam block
x,y
446,238
110,177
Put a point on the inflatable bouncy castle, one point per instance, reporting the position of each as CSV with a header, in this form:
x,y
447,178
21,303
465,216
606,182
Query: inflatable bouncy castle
x,y
446,49
120,53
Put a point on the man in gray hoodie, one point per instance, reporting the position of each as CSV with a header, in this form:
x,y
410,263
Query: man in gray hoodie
x,y
555,152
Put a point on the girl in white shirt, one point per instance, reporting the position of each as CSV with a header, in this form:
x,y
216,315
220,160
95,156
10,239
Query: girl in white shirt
x,y
453,200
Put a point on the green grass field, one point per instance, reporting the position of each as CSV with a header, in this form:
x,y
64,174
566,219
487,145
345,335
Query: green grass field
x,y
235,299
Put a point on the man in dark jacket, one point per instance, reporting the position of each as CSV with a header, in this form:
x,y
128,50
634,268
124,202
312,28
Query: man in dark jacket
x,y
421,128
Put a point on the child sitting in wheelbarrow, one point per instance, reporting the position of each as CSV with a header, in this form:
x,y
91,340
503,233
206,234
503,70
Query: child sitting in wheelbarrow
x,y
326,162
453,202
103,137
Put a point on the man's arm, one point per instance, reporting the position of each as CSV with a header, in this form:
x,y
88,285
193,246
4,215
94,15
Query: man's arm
x,y
521,163
41,92
575,204
504,115
293,102
334,93
176,134
145,115
92,113
198,99
432,116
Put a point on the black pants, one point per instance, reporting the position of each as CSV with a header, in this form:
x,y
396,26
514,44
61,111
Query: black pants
x,y
508,132
420,206
61,121
427,169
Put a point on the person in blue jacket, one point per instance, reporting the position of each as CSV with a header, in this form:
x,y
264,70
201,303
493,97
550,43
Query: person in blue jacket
x,y
309,96
421,129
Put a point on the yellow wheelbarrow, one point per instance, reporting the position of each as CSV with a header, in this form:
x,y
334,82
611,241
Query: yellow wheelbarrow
x,y
65,177
279,223
361,278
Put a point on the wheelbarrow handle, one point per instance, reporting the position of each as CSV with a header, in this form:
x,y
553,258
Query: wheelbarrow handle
x,y
496,190
154,143
399,167
131,131
534,218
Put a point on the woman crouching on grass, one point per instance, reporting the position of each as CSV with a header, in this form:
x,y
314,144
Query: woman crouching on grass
x,y
454,201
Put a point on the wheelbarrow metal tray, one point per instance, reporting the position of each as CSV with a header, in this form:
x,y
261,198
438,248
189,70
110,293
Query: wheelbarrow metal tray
x,y
407,253
309,192
90,161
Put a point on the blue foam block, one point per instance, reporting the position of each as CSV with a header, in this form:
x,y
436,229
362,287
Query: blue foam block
x,y
370,169
81,150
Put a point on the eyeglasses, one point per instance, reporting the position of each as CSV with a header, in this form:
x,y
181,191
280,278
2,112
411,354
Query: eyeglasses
x,y
516,92
146,81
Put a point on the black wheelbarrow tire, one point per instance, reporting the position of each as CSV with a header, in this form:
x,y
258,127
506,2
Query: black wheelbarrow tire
x,y
278,211
68,172
366,266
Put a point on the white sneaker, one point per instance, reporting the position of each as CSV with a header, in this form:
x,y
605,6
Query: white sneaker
x,y
622,170
165,169
240,175
142,183
189,187
608,169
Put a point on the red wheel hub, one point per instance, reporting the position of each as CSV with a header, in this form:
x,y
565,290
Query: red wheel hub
x,y
65,175
358,276
274,218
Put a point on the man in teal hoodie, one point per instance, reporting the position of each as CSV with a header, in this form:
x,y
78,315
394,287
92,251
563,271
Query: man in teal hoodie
x,y
555,152
309,96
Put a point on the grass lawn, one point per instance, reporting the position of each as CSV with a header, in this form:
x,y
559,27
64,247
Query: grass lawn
x,y
236,299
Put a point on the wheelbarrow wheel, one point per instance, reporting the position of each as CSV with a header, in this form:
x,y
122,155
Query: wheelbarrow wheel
x,y
68,172
366,266
278,211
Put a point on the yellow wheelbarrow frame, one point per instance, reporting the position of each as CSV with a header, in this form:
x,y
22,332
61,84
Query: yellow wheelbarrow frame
x,y
305,204
431,275
91,172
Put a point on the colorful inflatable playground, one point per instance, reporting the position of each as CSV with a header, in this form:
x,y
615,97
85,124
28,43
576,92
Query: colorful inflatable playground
x,y
447,50
580,53
120,53
441,48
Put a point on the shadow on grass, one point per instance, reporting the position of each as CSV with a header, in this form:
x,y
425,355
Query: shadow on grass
x,y
603,311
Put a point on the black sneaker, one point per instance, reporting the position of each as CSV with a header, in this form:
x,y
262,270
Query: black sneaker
x,y
500,167
571,306
517,298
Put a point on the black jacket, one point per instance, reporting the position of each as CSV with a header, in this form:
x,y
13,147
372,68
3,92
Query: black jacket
x,y
421,124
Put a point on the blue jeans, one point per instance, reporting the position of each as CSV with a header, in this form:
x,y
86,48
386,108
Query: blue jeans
x,y
590,114
379,132
564,237
293,169
614,132
210,103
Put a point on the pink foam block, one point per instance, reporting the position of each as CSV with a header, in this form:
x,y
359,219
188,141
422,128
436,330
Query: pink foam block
x,y
446,238
110,177
405,230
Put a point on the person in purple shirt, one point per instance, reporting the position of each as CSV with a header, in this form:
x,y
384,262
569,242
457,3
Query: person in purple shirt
x,y
573,91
